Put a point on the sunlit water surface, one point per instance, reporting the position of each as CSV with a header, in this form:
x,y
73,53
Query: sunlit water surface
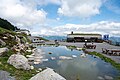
x,y
87,68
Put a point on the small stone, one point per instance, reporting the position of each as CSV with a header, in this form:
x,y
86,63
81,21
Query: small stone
x,y
53,58
74,56
37,62
29,50
79,48
5,38
108,77
29,56
49,53
31,59
31,67
100,78
83,55
65,57
37,71
2,50
33,54
40,69
2,42
44,59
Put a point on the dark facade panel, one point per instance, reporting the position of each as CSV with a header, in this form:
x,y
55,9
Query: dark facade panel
x,y
82,39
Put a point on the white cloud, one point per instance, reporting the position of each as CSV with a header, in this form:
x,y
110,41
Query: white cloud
x,y
80,8
103,27
57,19
22,13
45,2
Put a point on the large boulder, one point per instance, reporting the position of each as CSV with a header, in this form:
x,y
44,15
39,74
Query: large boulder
x,y
5,76
2,50
19,61
47,74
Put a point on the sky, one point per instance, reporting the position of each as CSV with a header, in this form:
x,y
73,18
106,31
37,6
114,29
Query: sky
x,y
60,17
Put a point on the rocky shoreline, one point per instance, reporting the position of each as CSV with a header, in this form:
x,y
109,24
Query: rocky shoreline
x,y
16,54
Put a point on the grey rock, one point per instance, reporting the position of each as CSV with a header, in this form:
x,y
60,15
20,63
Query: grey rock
x,y
2,50
38,56
64,57
19,61
100,78
17,39
5,37
47,74
2,42
5,76
108,77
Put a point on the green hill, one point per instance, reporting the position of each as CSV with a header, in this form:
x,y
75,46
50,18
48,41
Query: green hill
x,y
7,25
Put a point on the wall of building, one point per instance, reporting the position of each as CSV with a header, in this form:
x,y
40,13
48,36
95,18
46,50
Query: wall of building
x,y
82,38
85,36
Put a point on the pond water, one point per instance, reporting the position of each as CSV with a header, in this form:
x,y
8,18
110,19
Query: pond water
x,y
77,68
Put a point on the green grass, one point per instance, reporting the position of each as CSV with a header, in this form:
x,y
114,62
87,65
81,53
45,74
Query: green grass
x,y
106,59
3,31
44,39
118,78
71,47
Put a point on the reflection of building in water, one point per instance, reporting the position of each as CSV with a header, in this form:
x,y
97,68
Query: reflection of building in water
x,y
78,37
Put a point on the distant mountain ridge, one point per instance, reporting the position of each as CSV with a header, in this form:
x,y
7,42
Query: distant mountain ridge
x,y
54,37
115,40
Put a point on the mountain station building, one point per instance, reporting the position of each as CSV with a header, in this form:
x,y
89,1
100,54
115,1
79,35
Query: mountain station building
x,y
80,37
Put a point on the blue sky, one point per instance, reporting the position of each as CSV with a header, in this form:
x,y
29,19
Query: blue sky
x,y
106,14
60,17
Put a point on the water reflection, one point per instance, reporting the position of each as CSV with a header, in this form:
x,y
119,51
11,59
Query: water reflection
x,y
84,68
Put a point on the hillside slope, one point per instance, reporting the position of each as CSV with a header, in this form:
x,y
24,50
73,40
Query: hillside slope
x,y
15,43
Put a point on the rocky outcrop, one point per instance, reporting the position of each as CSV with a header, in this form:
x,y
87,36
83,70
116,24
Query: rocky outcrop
x,y
5,76
19,47
19,61
2,50
47,74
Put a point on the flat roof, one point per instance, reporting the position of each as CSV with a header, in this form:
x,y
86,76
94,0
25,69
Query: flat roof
x,y
84,34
